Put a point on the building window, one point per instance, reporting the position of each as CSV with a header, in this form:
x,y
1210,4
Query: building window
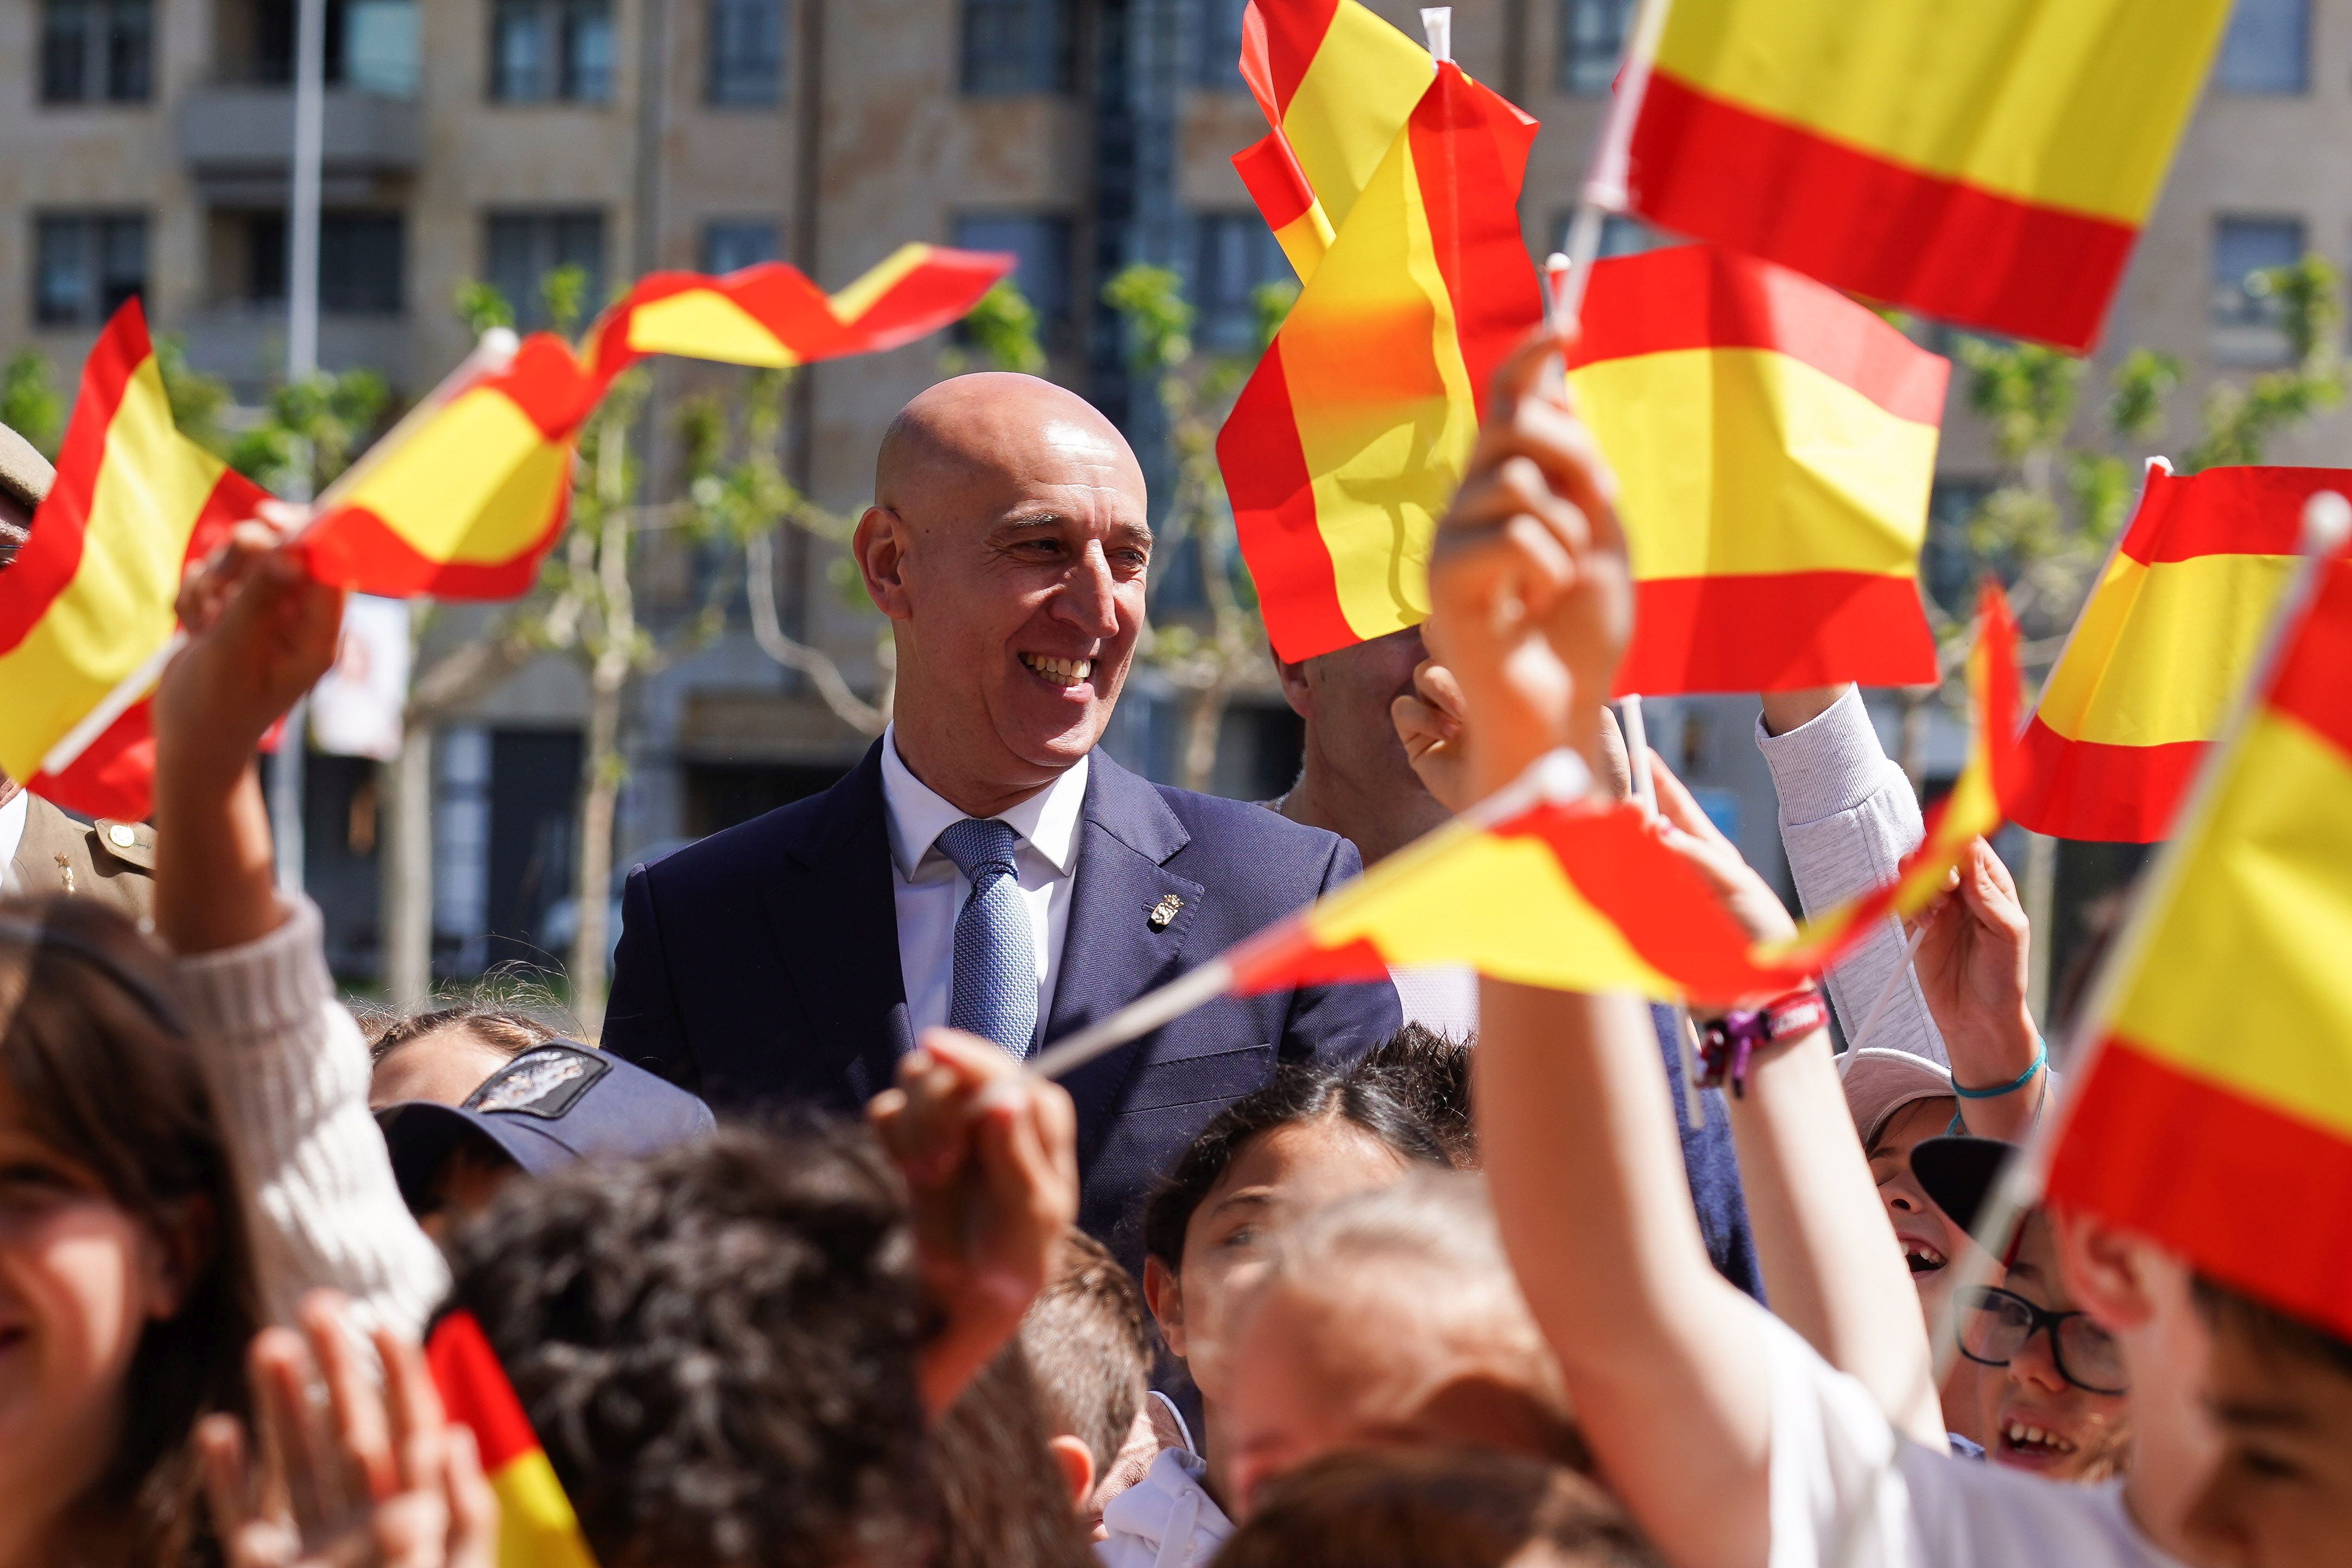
x,y
98,52
2266,48
1233,255
747,52
522,248
85,265
361,259
1591,42
1017,45
731,244
1216,29
1041,244
546,52
2242,248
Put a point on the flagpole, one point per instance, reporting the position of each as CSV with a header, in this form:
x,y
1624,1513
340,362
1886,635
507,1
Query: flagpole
x,y
1555,777
2327,524
1604,189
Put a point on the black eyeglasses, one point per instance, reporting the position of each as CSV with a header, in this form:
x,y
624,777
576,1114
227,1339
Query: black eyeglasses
x,y
2001,1322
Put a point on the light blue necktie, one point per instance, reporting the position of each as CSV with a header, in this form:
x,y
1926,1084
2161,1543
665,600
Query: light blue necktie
x,y
995,991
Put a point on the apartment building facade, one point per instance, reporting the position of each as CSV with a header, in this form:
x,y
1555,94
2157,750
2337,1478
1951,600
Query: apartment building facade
x,y
144,149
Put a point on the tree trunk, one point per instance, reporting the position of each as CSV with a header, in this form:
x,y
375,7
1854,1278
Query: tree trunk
x,y
2038,891
1203,723
1912,736
405,907
591,943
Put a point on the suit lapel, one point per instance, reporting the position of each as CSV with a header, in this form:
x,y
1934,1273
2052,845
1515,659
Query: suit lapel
x,y
1110,953
836,927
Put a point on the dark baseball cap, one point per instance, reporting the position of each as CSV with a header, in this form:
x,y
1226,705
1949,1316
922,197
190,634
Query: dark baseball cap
x,y
1958,1173
550,1107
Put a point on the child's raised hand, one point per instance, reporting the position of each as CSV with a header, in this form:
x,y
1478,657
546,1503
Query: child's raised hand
x,y
1531,593
990,1155
261,631
1973,965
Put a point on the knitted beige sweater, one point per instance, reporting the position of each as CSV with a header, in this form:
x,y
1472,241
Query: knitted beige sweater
x,y
290,1076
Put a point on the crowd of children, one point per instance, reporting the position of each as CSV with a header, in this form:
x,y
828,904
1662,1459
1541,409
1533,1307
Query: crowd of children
x,y
1451,1304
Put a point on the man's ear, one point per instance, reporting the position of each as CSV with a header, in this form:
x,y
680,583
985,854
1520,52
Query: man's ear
x,y
2104,1271
1077,1466
1164,1294
880,546
1294,687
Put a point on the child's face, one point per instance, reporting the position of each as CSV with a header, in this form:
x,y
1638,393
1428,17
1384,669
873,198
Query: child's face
x,y
1279,1176
2281,1495
1931,1242
80,1278
2032,1418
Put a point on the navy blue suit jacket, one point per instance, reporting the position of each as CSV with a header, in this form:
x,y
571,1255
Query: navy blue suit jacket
x,y
760,966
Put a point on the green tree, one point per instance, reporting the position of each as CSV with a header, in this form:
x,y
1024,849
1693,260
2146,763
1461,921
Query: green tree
x,y
30,403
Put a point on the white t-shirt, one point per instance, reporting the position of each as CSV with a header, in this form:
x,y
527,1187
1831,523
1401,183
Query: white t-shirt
x,y
1848,1492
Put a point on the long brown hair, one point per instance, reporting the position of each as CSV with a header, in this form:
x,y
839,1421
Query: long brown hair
x,y
103,1070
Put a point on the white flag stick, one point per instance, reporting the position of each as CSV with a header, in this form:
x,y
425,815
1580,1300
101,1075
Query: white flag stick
x,y
1886,992
1645,790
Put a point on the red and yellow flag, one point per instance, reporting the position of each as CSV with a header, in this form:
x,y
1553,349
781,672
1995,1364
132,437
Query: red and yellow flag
x,y
1988,164
85,612
1337,84
2215,1117
1349,440
537,1528
1543,888
2160,648
465,498
772,315
1774,443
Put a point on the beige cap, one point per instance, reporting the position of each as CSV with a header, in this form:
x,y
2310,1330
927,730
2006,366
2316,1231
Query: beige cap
x,y
1880,1083
25,477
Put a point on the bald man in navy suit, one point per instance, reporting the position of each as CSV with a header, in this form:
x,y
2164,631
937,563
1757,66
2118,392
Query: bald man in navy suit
x,y
985,865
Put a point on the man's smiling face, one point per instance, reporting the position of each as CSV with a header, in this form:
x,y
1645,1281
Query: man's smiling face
x,y
1009,544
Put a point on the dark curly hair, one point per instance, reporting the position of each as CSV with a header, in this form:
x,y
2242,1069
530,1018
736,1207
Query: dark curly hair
x,y
1297,1094
1004,1500
1431,1073
717,1348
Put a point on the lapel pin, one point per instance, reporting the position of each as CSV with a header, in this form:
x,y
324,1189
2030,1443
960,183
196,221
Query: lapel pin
x,y
1163,913
65,871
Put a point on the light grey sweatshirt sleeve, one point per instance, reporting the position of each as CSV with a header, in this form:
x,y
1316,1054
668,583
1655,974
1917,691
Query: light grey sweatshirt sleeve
x,y
1847,818
290,1076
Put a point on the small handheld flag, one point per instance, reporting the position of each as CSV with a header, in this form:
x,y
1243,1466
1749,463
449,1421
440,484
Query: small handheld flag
x,y
537,1526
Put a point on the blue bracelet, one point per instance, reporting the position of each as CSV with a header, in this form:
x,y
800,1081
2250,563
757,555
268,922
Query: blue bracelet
x,y
2041,1055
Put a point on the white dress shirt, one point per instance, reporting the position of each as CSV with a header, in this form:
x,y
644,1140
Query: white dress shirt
x,y
12,834
929,891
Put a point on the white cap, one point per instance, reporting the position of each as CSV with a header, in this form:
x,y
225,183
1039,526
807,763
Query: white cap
x,y
1879,1082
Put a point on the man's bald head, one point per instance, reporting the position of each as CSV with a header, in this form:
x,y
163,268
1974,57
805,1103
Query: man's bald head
x,y
979,423
1007,542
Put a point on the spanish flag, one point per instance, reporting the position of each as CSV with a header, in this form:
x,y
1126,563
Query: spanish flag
x,y
1775,443
537,1528
1337,84
2160,648
772,316
2215,1116
1989,163
462,499
1542,886
87,616
1346,443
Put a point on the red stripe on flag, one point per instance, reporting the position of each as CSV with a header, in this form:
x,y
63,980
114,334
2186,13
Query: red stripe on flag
x,y
1469,150
942,290
1273,498
1294,960
2246,1192
2102,793
475,1390
1777,633
52,556
2226,511
1702,296
547,383
115,774
1275,181
358,550
1704,167
2310,684
1279,38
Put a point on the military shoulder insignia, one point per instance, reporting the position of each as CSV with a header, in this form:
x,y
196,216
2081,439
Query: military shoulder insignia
x,y
543,1082
1163,913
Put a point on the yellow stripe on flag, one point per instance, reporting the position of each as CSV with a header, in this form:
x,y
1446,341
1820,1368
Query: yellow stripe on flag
x,y
1503,899
1791,471
1306,240
2159,651
1383,400
2242,983
1355,97
2070,103
858,298
476,484
536,1526
702,323
152,485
